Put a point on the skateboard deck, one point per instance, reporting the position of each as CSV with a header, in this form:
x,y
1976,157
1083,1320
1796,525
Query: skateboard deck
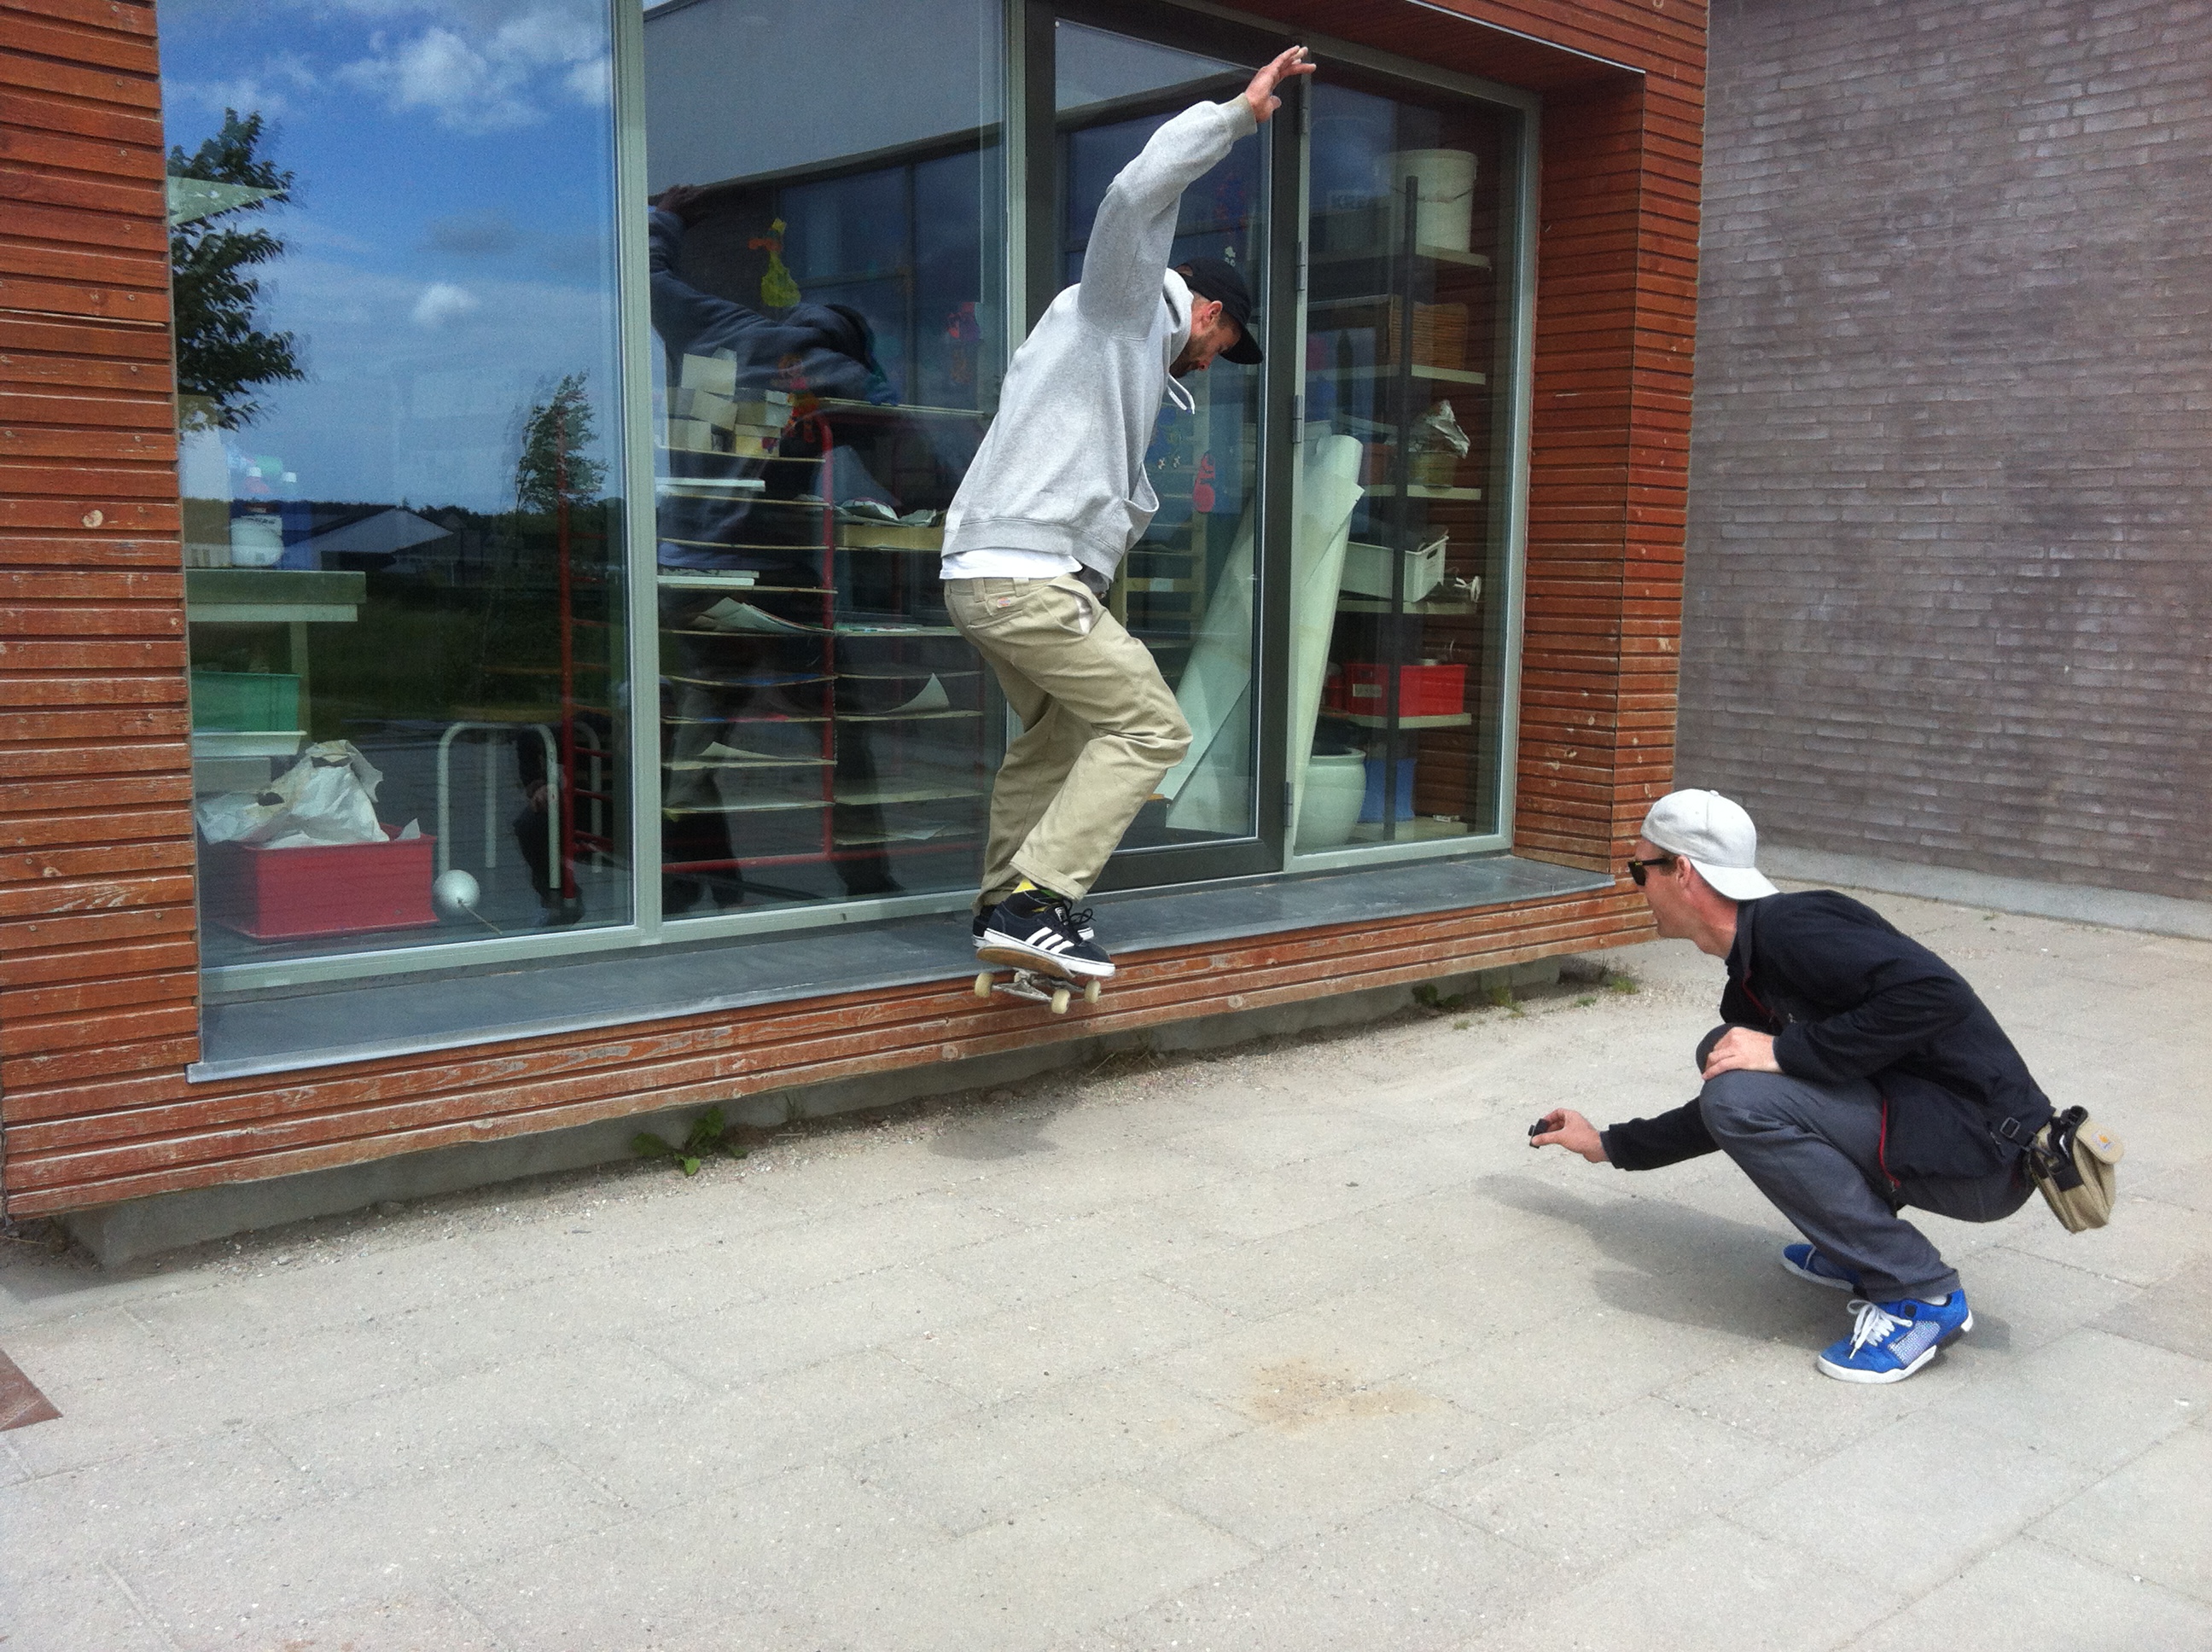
x,y
1037,986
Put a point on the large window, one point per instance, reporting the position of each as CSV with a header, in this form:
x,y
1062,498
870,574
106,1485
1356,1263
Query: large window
x,y
824,227
456,281
1403,559
392,233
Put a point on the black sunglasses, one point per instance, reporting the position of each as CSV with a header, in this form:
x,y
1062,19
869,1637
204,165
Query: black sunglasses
x,y
1636,867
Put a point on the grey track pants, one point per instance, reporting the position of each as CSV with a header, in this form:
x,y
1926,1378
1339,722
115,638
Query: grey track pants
x,y
1814,1149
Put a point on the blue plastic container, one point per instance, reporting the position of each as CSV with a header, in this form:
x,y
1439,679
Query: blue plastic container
x,y
1372,809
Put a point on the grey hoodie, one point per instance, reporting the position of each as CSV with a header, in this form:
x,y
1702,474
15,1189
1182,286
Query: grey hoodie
x,y
1062,470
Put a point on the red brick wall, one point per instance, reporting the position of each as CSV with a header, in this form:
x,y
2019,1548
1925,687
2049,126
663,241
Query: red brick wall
x,y
96,1002
1948,592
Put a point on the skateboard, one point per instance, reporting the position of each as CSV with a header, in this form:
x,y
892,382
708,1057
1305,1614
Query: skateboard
x,y
1037,985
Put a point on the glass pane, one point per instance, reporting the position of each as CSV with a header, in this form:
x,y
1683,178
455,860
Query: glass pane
x,y
1399,553
1187,590
826,323
392,233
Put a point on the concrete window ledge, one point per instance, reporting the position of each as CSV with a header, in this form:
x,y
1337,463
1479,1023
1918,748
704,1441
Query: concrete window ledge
x,y
301,1028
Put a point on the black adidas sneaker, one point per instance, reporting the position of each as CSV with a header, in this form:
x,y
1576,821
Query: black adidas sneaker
x,y
1031,929
983,922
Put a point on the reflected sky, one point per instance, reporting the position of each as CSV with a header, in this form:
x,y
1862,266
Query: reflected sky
x,y
450,234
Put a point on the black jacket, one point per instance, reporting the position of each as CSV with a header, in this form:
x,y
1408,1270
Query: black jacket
x,y
1846,996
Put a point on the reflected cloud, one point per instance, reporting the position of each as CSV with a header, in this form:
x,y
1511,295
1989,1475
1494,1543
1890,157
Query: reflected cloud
x,y
264,88
476,83
443,302
592,83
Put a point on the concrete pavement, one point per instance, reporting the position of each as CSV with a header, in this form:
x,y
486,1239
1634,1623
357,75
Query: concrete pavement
x,y
1298,1346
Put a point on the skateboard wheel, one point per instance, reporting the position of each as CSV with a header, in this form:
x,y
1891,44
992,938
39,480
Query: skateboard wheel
x,y
1091,992
983,984
1060,1000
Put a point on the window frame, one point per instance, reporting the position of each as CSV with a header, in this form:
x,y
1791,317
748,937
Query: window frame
x,y
1025,181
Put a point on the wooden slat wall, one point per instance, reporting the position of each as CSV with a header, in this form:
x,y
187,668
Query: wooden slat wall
x,y
97,957
83,1140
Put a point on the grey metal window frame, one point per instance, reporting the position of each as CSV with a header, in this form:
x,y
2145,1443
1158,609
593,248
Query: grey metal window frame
x,y
1016,175
1519,381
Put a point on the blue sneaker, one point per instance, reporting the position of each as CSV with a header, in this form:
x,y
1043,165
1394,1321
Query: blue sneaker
x,y
1892,1339
1807,1263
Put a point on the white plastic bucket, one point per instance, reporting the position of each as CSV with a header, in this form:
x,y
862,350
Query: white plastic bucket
x,y
1335,791
1445,179
256,541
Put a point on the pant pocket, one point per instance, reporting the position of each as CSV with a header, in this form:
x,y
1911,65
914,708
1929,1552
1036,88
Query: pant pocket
x,y
995,610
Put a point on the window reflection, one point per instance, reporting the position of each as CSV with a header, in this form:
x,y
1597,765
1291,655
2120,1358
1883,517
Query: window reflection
x,y
823,379
391,235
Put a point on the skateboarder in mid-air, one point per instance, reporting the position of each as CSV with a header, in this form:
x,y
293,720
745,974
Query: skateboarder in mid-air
x,y
1055,498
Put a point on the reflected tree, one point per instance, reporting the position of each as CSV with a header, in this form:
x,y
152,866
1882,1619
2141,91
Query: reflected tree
x,y
554,469
222,356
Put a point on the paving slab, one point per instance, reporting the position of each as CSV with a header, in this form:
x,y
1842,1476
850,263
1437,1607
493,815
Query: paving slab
x,y
1035,1578
1407,1576
982,1466
2026,1588
1713,1586
1292,1345
2150,1519
1592,1493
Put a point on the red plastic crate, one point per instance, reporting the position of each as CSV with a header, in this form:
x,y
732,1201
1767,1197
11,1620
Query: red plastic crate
x,y
1423,690
336,889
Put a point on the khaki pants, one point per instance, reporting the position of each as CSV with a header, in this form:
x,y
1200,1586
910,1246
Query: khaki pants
x,y
1099,727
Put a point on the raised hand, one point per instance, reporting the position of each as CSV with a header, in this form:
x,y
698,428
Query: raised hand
x,y
682,199
1260,94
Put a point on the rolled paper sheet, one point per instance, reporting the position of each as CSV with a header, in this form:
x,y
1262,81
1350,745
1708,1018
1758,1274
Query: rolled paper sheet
x,y
1328,490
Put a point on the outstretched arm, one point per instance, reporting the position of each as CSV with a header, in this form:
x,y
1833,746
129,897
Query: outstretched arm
x,y
1134,231
1260,94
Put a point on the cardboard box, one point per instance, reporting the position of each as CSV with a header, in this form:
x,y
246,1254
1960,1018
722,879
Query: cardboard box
x,y
1439,336
336,889
753,441
716,374
770,410
699,403
890,536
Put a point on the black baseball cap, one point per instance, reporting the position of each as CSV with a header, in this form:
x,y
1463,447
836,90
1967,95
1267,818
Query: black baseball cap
x,y
1215,279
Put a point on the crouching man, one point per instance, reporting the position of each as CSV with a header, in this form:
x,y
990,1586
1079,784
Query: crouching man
x,y
1856,1073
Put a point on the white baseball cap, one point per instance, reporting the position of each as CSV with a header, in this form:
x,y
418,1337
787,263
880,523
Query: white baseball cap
x,y
1715,835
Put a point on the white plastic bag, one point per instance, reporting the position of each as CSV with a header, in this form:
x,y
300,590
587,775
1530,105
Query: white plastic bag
x,y
328,796
1439,432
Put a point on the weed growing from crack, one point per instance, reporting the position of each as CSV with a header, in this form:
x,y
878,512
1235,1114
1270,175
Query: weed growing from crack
x,y
709,1133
